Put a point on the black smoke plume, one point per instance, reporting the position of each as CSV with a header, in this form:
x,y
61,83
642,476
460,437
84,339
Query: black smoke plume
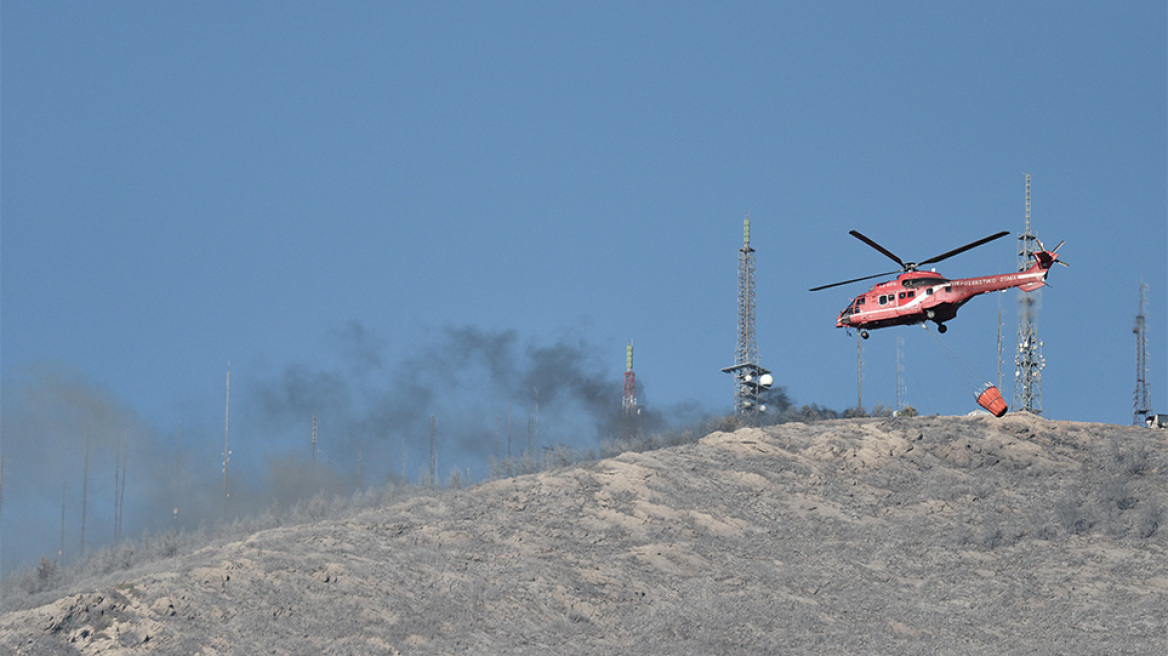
x,y
492,395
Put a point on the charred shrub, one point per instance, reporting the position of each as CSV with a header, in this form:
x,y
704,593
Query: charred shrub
x,y
44,577
1132,459
1076,516
1149,519
1115,495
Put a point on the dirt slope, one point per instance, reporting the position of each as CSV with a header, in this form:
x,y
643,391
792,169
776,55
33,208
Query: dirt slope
x,y
908,536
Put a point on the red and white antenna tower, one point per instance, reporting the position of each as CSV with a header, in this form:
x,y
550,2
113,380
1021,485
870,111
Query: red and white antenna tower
x,y
629,407
629,396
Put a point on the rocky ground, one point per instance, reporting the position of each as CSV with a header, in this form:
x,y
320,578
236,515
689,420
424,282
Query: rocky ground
x,y
934,535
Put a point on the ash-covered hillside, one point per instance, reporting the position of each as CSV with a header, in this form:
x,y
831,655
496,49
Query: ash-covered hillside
x,y
908,536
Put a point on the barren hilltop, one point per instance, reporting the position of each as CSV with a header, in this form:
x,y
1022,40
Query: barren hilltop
x,y
926,535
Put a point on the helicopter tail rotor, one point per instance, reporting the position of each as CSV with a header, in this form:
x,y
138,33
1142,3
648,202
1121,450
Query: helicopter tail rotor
x,y
1046,259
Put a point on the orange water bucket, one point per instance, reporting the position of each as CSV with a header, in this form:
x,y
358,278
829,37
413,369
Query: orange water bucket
x,y
991,399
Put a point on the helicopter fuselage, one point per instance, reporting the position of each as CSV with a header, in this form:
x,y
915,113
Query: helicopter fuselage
x,y
918,296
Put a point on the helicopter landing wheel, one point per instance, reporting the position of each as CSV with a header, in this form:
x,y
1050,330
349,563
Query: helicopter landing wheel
x,y
941,328
864,334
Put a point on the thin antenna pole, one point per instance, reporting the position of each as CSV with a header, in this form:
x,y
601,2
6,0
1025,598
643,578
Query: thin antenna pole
x,y
117,484
899,405
84,493
403,457
226,433
999,345
61,550
314,443
432,451
533,425
178,469
122,490
119,487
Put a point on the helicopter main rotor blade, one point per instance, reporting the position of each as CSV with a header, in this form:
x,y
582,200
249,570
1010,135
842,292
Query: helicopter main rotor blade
x,y
848,282
885,251
962,249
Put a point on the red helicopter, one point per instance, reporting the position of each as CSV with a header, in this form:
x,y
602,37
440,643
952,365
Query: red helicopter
x,y
920,296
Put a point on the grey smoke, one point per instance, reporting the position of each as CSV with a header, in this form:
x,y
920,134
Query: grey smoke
x,y
475,382
48,414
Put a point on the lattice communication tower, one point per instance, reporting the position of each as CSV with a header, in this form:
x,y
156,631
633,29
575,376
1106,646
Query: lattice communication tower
x,y
629,395
630,410
1143,396
750,379
1028,361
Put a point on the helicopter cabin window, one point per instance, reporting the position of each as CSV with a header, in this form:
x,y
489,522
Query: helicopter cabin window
x,y
948,288
902,294
923,282
883,300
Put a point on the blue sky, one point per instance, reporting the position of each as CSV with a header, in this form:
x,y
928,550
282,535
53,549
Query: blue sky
x,y
327,192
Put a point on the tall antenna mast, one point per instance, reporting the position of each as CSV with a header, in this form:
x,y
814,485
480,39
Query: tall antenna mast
x,y
749,377
1028,361
1143,396
629,396
313,442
